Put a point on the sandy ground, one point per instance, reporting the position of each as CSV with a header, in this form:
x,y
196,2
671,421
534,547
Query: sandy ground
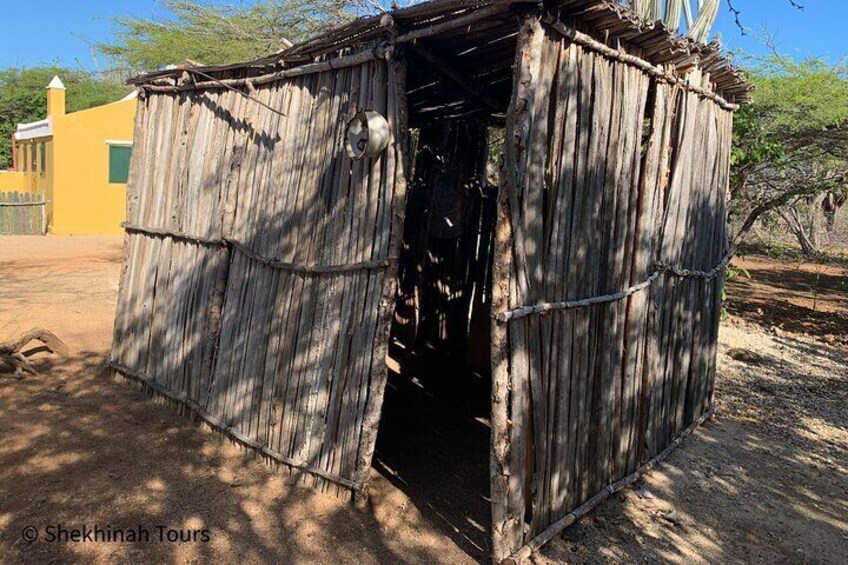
x,y
765,482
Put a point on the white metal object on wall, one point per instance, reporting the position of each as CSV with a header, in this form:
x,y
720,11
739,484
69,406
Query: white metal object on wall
x,y
367,135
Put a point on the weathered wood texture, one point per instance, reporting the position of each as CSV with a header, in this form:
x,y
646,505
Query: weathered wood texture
x,y
472,43
610,172
233,314
22,213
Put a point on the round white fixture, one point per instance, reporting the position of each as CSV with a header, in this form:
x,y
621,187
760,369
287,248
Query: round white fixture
x,y
367,134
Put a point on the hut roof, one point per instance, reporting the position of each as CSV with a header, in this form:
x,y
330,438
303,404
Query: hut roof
x,y
475,41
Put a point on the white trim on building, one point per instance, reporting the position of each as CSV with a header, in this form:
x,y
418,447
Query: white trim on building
x,y
33,130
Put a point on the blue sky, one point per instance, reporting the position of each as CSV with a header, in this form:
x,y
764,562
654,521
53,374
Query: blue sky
x,y
818,30
60,31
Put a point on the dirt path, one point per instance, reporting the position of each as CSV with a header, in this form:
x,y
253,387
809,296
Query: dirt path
x,y
795,297
765,482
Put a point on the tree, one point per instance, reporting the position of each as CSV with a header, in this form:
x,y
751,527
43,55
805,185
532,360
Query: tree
x,y
215,32
219,33
790,151
23,98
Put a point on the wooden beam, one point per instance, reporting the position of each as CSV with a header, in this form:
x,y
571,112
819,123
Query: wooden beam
x,y
445,68
322,66
508,447
397,115
454,23
456,76
659,73
523,554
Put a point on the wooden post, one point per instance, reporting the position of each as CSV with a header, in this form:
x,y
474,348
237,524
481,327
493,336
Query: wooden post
x,y
508,460
500,440
371,420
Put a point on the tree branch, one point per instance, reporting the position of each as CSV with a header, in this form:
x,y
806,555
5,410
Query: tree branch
x,y
737,14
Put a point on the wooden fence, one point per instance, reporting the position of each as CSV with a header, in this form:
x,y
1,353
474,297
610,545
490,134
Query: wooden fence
x,y
22,213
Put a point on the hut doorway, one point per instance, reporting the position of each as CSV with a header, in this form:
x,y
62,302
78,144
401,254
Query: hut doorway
x,y
434,434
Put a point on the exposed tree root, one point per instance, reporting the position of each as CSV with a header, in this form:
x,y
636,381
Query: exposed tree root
x,y
12,357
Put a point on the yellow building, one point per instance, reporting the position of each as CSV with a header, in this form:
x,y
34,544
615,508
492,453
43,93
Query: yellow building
x,y
79,161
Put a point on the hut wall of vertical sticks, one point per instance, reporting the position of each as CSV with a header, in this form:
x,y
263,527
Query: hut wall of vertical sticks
x,y
266,272
223,262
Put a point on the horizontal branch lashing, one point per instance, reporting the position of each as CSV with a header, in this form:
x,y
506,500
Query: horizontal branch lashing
x,y
313,269
220,425
18,204
155,232
694,274
593,44
547,535
270,262
381,52
544,307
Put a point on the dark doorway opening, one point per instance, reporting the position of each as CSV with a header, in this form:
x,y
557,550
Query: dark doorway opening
x,y
434,435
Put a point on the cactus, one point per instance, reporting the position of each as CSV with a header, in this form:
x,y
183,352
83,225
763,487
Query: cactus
x,y
699,22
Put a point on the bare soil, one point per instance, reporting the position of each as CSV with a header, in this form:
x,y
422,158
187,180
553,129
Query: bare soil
x,y
798,297
766,481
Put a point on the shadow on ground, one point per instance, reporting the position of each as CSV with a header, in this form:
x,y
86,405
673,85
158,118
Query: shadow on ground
x,y
433,445
765,482
77,448
811,299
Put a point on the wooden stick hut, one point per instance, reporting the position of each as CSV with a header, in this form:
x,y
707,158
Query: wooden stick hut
x,y
267,273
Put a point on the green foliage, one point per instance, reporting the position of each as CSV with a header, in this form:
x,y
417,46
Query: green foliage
x,y
753,142
780,252
794,102
731,273
496,146
23,98
801,96
216,33
734,273
792,141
